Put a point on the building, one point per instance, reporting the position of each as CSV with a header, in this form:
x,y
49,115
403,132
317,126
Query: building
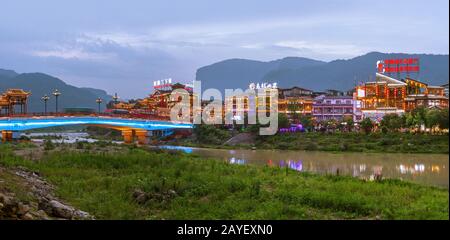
x,y
388,95
158,104
12,98
295,100
445,86
295,92
339,108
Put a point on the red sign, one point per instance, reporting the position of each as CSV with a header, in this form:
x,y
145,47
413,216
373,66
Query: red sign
x,y
398,65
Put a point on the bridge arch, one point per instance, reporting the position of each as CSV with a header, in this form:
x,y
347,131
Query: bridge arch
x,y
129,127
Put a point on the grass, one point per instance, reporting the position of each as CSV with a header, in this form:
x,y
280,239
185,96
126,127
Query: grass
x,y
103,184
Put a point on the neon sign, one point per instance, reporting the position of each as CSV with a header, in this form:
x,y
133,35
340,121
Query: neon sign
x,y
262,85
398,65
164,83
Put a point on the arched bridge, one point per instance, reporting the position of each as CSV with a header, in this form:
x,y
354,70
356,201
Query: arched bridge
x,y
139,128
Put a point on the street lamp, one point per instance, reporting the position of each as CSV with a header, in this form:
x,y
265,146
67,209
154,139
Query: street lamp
x,y
45,98
56,93
99,101
115,98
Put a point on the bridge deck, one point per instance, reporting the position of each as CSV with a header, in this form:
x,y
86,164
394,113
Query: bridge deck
x,y
17,123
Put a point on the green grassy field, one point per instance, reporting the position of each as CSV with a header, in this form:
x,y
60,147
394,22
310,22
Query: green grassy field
x,y
174,185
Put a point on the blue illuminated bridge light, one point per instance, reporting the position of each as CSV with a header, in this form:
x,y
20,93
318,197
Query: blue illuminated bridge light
x,y
22,124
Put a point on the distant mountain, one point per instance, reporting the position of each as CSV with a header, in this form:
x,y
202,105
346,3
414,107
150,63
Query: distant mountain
x,y
235,73
7,73
315,75
40,84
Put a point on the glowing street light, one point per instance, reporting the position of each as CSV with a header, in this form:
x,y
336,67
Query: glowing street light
x,y
45,98
56,93
99,101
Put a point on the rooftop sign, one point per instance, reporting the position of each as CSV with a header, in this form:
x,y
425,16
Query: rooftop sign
x,y
398,65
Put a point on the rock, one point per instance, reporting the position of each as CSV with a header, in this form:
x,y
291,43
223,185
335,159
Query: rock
x,y
78,214
40,214
1,205
61,210
3,198
27,216
141,199
22,209
172,193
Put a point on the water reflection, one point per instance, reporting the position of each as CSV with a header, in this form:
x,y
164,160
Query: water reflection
x,y
237,161
296,165
423,168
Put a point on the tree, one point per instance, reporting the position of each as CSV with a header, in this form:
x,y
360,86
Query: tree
x,y
367,125
419,117
391,122
432,118
283,121
443,120
306,122
349,123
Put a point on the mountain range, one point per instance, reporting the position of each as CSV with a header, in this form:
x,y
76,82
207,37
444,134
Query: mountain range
x,y
315,75
40,84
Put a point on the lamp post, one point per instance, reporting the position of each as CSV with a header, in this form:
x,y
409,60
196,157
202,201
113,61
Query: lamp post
x,y
115,98
99,101
45,98
56,93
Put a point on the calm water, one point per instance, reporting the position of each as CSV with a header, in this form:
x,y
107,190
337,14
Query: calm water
x,y
431,169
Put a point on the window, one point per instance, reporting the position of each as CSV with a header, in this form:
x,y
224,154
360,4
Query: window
x,y
338,101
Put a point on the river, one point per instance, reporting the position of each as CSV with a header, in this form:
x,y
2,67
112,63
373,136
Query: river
x,y
430,169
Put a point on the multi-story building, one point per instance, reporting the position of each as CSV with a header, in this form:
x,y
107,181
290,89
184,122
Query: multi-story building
x,y
335,107
445,86
388,95
295,100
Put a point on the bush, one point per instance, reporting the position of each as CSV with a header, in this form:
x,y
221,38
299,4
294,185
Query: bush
x,y
48,145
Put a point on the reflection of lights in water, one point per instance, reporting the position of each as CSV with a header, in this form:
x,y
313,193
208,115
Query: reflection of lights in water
x,y
402,169
377,169
418,168
358,169
362,167
296,165
435,168
233,160
179,148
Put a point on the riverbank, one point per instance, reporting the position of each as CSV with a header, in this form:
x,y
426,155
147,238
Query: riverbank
x,y
141,183
337,142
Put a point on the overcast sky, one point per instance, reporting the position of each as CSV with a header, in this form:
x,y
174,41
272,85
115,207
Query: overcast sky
x,y
122,46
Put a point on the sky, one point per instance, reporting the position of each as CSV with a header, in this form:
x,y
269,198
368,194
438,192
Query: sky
x,y
123,46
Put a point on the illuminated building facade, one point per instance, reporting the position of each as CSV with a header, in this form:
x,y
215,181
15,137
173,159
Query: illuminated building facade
x,y
337,108
388,95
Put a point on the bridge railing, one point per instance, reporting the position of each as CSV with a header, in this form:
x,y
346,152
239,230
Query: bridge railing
x,y
113,115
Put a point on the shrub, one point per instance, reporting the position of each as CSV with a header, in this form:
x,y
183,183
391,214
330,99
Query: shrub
x,y
48,145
